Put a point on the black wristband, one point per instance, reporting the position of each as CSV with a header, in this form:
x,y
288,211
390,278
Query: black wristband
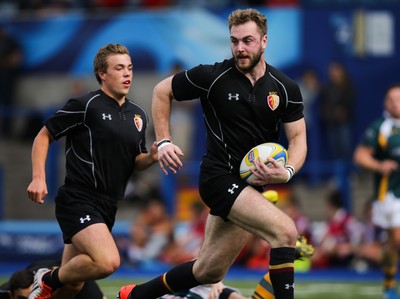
x,y
225,293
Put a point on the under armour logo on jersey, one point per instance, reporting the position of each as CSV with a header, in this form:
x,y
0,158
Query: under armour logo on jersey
x,y
106,116
233,97
87,218
232,190
288,286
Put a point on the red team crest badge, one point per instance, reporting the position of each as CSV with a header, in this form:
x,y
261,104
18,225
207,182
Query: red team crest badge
x,y
273,101
138,122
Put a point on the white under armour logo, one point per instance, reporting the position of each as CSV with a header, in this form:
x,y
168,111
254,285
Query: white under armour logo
x,y
233,97
288,286
106,116
232,190
87,218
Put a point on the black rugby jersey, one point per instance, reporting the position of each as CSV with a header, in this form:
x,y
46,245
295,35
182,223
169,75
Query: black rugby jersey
x,y
102,141
237,115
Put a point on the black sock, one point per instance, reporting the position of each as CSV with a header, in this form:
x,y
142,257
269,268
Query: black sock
x,y
226,292
177,279
51,279
281,271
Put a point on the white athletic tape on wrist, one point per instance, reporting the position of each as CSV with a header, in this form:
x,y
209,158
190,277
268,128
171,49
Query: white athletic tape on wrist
x,y
291,171
162,141
164,144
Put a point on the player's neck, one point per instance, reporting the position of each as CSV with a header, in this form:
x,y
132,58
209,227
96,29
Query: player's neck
x,y
257,72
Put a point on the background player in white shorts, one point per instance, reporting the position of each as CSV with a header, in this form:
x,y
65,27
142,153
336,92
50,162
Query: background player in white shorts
x,y
379,151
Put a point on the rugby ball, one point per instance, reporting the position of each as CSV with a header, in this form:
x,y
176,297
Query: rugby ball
x,y
264,150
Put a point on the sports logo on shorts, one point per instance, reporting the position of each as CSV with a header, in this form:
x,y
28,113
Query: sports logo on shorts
x,y
232,190
273,101
86,218
138,122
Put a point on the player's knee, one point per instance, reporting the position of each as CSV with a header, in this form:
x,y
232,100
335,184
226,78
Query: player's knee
x,y
108,267
287,234
209,274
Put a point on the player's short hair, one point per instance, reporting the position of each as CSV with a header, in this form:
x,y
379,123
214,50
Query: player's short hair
x,y
241,16
21,279
100,60
392,86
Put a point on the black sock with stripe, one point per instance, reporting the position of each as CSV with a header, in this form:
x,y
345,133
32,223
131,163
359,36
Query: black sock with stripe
x,y
281,271
177,279
51,279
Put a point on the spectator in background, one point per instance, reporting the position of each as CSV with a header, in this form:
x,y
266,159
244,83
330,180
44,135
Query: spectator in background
x,y
151,232
182,120
342,234
292,207
188,240
337,111
378,152
310,87
11,56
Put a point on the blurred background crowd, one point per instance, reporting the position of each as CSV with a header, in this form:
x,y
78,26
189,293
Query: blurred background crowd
x,y
343,54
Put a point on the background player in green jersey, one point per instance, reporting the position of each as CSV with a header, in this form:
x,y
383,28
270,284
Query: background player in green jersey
x,y
379,151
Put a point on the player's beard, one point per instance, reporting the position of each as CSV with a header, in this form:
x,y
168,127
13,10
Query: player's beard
x,y
254,60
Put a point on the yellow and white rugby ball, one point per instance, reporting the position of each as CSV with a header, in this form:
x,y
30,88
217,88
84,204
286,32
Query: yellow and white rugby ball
x,y
264,150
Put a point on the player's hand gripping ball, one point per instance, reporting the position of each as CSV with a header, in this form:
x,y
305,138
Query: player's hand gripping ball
x,y
264,150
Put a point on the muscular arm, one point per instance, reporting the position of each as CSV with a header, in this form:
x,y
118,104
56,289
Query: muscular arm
x,y
364,157
297,143
161,111
297,151
161,108
37,189
144,161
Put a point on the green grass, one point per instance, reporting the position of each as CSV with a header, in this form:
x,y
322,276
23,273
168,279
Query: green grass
x,y
304,290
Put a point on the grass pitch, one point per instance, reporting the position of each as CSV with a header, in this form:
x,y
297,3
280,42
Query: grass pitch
x,y
304,290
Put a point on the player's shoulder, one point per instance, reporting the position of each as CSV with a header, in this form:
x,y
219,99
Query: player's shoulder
x,y
280,76
376,123
217,68
5,294
132,104
84,99
90,95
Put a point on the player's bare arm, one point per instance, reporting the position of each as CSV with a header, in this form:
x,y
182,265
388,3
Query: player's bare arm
x,y
297,143
144,161
168,153
364,157
276,172
37,189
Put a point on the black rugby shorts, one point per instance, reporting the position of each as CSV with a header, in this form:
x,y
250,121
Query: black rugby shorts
x,y
90,290
78,208
219,191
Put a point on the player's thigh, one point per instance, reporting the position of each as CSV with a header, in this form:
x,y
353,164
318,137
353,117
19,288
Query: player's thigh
x,y
97,242
254,213
222,244
69,252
